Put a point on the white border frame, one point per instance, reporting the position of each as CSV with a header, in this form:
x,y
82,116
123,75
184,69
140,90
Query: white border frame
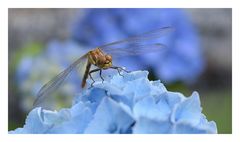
x,y
116,4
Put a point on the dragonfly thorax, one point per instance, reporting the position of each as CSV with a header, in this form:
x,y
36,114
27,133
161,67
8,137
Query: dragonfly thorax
x,y
99,59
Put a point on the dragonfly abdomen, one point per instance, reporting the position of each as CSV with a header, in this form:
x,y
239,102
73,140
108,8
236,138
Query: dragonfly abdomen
x,y
85,76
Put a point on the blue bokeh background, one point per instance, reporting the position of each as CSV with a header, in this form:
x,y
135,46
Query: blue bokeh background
x,y
183,60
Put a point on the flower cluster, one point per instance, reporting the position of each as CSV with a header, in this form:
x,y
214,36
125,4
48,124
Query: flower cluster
x,y
123,104
183,59
34,71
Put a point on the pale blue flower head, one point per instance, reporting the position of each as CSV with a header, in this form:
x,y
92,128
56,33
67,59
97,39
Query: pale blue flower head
x,y
124,105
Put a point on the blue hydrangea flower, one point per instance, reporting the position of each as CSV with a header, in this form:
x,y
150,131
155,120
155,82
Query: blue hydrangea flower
x,y
33,72
183,60
124,105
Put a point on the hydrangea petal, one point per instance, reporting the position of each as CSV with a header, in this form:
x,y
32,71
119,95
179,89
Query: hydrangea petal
x,y
147,107
188,111
148,126
109,118
188,129
81,116
34,124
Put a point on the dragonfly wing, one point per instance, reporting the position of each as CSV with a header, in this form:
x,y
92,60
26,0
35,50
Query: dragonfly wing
x,y
135,45
81,68
136,50
56,82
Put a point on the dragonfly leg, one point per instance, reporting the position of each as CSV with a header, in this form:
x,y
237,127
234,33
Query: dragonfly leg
x,y
116,68
124,70
100,73
90,74
119,69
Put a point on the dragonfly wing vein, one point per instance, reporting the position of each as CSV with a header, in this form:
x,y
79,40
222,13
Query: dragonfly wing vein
x,y
140,38
56,82
133,45
136,50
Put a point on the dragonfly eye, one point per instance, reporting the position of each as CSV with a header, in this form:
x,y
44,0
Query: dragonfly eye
x,y
101,60
108,57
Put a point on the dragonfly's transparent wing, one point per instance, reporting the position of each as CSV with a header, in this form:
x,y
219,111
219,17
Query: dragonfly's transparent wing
x,y
136,50
53,84
137,44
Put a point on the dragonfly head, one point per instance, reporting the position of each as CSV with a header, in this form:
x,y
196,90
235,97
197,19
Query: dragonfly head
x,y
98,58
107,62
104,62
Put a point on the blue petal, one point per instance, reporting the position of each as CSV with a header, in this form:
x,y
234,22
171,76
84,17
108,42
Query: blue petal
x,y
188,129
148,108
157,88
81,115
149,126
188,111
210,127
34,124
203,127
128,77
139,88
54,117
92,97
173,98
109,118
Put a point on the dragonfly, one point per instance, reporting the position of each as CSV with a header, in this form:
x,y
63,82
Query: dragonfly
x,y
102,56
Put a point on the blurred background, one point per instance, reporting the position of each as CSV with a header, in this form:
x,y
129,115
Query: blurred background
x,y
43,42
